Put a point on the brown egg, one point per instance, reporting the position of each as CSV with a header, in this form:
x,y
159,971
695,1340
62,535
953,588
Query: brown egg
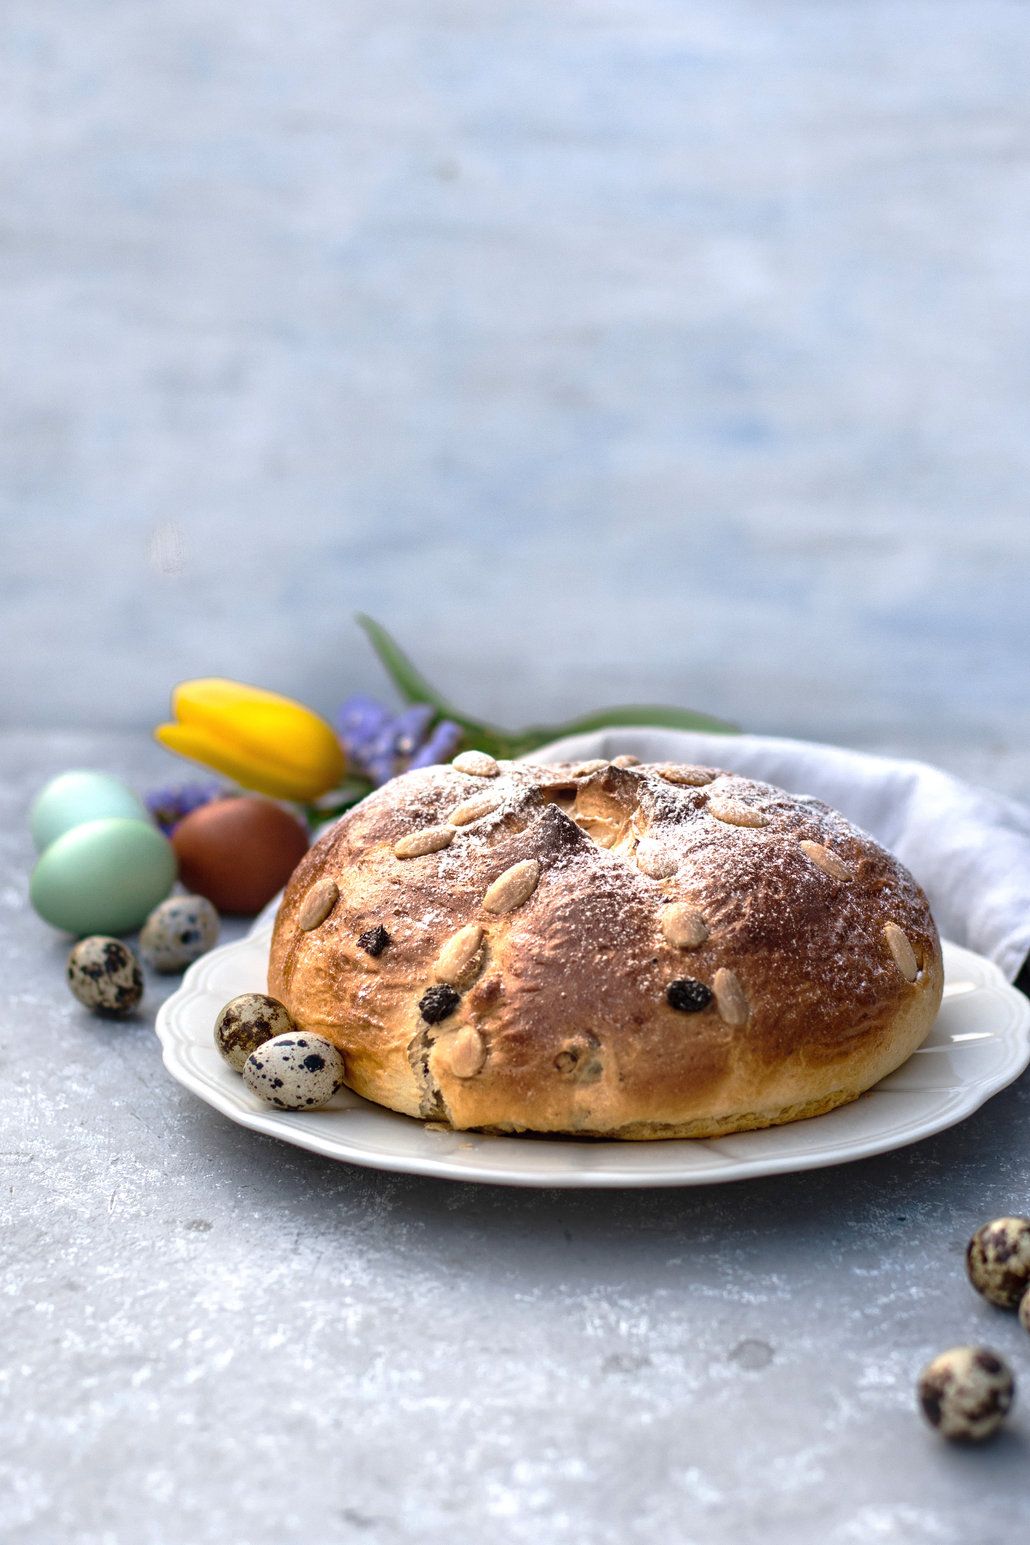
x,y
239,851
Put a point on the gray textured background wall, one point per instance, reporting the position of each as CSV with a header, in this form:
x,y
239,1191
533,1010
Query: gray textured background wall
x,y
604,350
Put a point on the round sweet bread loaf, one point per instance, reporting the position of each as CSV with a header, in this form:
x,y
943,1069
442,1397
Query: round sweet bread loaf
x,y
605,949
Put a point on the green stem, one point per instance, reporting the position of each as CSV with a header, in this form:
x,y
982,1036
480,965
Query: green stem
x,y
414,688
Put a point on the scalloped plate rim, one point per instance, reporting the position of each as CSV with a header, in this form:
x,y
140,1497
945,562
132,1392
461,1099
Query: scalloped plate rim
x,y
569,1163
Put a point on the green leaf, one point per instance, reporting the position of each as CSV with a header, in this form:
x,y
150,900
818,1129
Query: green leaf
x,y
414,688
625,715
406,677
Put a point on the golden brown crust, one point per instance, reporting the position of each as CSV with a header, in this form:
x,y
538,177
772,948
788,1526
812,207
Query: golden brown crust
x,y
561,1018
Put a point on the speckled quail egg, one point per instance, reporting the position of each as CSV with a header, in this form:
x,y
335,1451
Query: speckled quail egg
x,y
295,1072
1024,1310
998,1260
966,1393
247,1022
178,932
105,975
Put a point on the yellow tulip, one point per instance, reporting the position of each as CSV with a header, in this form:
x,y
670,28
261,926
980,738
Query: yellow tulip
x,y
259,739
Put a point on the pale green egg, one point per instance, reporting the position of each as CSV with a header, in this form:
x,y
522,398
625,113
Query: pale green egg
x,y
103,877
72,798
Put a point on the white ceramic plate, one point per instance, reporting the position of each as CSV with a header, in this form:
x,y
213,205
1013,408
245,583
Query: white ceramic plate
x,y
980,1043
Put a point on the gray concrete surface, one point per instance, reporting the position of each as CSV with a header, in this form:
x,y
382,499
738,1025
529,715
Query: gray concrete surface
x,y
209,1337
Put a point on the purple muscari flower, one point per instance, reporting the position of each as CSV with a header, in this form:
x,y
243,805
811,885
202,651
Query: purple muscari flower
x,y
397,742
380,744
169,803
440,746
410,728
360,721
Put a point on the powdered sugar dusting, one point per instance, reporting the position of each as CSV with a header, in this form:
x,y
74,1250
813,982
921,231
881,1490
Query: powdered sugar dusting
x,y
623,827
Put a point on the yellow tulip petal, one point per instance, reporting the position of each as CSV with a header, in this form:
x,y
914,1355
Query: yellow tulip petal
x,y
275,731
262,739
193,742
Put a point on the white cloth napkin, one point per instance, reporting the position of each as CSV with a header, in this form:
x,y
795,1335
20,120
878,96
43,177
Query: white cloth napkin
x,y
968,848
